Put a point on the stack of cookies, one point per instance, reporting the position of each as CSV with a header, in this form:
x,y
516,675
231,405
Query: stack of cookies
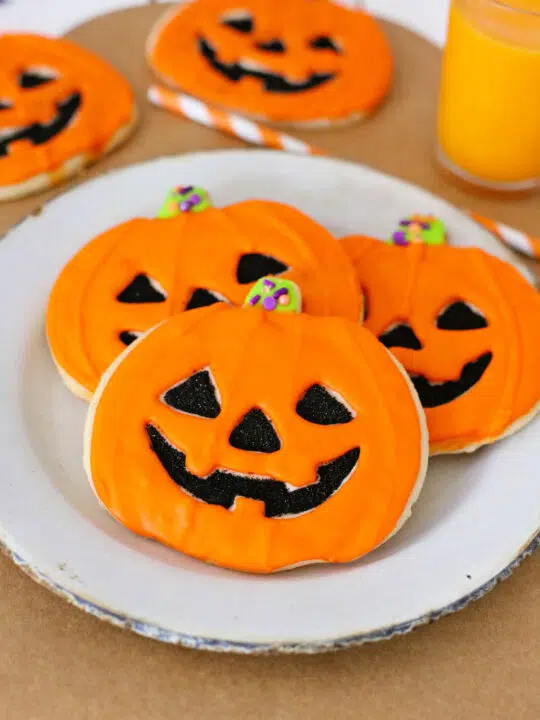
x,y
264,395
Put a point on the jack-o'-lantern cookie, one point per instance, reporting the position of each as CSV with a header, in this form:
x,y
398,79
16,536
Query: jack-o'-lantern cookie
x,y
138,273
300,61
299,441
61,107
466,327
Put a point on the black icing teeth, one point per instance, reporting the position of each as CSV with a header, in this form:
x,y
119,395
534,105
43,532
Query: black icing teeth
x,y
222,487
272,82
435,394
39,133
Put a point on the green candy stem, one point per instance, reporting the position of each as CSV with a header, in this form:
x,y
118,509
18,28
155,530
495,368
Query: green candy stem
x,y
184,199
419,230
275,295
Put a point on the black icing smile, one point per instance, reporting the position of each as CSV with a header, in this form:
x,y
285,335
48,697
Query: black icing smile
x,y
222,487
39,133
433,394
272,82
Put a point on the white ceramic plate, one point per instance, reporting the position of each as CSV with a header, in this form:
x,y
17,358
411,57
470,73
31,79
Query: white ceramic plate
x,y
476,517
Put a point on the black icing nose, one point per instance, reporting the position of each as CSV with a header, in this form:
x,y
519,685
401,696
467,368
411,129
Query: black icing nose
x,y
255,433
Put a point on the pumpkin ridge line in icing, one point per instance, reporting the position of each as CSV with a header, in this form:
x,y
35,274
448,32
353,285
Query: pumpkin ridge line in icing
x,y
84,342
308,253
501,418
388,432
511,313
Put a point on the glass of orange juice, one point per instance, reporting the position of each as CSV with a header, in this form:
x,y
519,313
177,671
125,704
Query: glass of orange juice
x,y
489,107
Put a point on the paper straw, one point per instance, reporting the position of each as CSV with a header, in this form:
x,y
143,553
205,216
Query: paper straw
x,y
517,240
256,133
236,125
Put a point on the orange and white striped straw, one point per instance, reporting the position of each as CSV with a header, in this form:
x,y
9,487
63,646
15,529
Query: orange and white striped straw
x,y
230,123
517,240
256,133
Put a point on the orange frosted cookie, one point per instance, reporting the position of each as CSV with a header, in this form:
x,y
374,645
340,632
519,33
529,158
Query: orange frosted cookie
x,y
61,107
301,441
300,61
465,325
138,273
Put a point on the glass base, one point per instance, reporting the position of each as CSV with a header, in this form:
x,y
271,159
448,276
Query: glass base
x,y
518,186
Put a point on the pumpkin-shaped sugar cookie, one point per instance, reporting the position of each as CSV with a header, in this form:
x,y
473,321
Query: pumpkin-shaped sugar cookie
x,y
138,273
465,325
61,107
299,61
256,438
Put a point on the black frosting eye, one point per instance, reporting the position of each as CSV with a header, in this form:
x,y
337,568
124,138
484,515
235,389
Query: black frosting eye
x,y
273,46
241,22
323,42
255,433
197,395
321,406
142,289
5,105
400,335
201,297
461,316
35,77
254,266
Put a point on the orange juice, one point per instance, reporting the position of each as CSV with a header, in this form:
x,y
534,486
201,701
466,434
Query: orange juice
x,y
489,113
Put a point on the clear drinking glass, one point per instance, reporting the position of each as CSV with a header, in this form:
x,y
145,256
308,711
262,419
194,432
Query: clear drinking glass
x,y
489,107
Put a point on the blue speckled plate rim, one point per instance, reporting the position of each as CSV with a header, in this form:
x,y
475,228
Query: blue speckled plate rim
x,y
150,630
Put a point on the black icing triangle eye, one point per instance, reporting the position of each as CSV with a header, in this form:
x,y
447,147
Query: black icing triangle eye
x,y
202,298
240,22
254,266
5,105
255,433
129,336
197,395
461,316
324,42
272,46
142,289
34,78
321,406
400,335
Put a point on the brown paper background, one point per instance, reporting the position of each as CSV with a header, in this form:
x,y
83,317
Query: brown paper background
x,y
482,663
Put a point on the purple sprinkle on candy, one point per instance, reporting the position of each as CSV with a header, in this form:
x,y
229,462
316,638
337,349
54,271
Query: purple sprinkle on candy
x,y
195,199
269,303
268,283
255,299
399,238
280,291
426,226
405,223
185,205
186,189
